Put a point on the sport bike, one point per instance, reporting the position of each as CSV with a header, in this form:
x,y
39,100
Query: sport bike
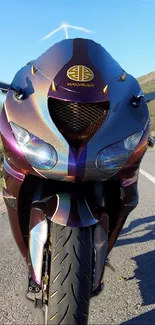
x,y
75,127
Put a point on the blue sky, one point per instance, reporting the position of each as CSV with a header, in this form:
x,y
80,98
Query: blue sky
x,y
126,28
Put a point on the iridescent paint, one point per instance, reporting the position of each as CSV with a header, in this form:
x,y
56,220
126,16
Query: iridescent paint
x,y
53,66
58,66
37,240
12,171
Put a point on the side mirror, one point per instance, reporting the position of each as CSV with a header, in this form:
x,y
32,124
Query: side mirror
x,y
19,93
151,142
136,100
4,87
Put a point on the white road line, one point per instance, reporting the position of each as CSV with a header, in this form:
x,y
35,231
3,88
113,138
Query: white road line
x,y
149,176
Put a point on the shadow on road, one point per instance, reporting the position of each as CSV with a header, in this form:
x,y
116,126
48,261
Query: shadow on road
x,y
144,319
145,276
148,226
145,270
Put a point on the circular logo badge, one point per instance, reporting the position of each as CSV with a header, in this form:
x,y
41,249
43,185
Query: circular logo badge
x,y
80,73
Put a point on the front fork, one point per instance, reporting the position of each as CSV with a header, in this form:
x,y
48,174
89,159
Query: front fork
x,y
39,224
43,212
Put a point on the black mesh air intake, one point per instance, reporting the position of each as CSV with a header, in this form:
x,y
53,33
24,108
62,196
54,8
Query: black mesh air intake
x,y
78,122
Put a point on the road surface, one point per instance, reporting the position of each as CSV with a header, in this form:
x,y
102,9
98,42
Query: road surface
x,y
122,302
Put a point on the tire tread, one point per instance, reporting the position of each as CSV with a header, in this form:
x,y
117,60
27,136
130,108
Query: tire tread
x,y
70,275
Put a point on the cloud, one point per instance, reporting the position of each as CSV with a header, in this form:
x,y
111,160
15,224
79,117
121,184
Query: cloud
x,y
65,27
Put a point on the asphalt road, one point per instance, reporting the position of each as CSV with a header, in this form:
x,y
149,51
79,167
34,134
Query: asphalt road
x,y
122,302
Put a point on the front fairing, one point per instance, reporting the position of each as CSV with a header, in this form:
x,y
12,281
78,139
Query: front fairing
x,y
123,121
33,115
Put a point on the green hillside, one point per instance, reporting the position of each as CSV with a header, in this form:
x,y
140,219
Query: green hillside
x,y
147,83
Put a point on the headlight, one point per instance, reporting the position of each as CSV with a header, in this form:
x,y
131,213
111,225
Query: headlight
x,y
38,153
111,159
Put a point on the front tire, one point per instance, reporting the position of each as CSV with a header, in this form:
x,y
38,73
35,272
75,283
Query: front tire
x,y
70,280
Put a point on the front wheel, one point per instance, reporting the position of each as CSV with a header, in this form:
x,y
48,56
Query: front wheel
x,y
70,280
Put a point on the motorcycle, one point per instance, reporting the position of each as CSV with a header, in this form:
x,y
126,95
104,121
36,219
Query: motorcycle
x,y
74,127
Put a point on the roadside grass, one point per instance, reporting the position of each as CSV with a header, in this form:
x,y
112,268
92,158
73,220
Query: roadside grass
x,y
147,83
151,106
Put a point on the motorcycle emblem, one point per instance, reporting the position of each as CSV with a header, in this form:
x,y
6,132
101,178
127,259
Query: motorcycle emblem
x,y
80,73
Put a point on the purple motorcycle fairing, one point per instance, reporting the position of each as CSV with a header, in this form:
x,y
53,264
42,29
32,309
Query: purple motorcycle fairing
x,y
36,80
65,87
51,66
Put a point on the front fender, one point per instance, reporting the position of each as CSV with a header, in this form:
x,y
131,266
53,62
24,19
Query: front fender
x,y
66,210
